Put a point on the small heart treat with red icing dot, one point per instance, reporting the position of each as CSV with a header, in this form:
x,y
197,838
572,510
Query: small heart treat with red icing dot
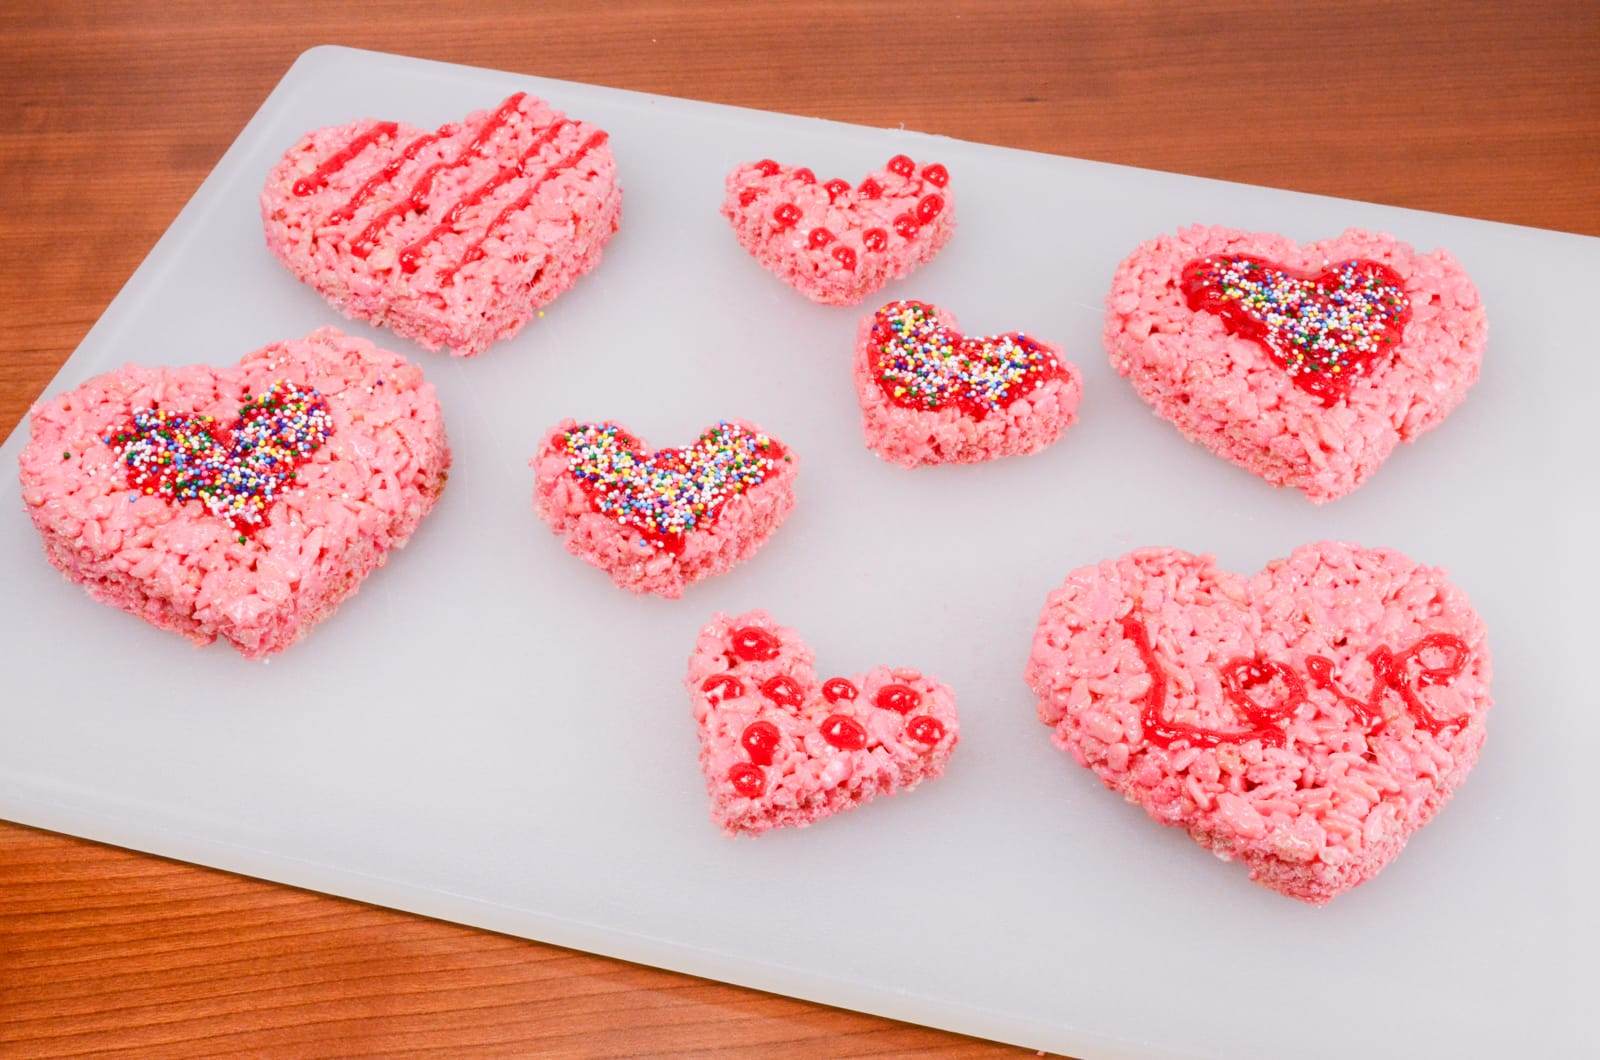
x,y
1307,364
779,747
930,395
1306,720
453,237
658,521
835,242
245,502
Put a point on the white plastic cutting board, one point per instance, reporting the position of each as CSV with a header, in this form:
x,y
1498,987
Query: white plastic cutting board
x,y
491,733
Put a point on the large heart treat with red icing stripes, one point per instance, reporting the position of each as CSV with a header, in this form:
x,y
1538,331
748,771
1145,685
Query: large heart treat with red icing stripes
x,y
779,747
833,241
1304,364
1305,720
453,237
244,502
930,395
660,521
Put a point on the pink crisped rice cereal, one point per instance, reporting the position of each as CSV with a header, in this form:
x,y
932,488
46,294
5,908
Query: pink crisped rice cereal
x,y
779,748
833,243
657,522
1310,380
319,456
1306,719
931,396
453,237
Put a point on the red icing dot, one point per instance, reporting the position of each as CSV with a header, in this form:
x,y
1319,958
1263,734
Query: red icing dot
x,y
760,740
784,691
936,175
787,215
902,165
748,196
727,685
836,688
767,166
843,732
845,256
870,189
819,238
902,699
928,207
756,645
875,238
747,780
906,225
805,175
926,730
836,188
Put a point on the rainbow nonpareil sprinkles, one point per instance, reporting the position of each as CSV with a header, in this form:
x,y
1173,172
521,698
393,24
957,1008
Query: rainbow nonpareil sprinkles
x,y
922,364
235,472
671,492
1324,330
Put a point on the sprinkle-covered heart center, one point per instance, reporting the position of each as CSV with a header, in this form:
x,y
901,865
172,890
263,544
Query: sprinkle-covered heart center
x,y
237,472
922,364
1325,330
669,493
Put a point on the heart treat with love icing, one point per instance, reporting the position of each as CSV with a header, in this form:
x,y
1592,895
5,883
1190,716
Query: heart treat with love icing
x,y
660,521
453,237
1305,720
779,747
245,502
1306,365
930,395
833,242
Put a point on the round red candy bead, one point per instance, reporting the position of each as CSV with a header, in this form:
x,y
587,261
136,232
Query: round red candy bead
x,y
875,238
760,741
835,689
845,256
925,729
936,175
819,238
928,207
902,699
906,225
902,166
784,691
843,732
721,687
787,215
747,780
755,645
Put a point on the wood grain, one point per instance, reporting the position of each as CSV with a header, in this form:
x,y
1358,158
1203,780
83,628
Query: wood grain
x,y
111,114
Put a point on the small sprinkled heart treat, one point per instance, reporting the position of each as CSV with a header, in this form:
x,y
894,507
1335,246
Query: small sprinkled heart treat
x,y
929,395
660,521
245,502
1306,365
1305,720
453,237
835,243
778,747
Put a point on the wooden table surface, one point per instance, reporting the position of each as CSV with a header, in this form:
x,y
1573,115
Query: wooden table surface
x,y
111,114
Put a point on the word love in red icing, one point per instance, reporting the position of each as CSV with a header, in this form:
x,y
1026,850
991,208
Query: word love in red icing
x,y
1401,674
1325,330
921,364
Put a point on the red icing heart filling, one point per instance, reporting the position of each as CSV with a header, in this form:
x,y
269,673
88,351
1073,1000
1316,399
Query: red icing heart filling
x,y
1326,330
921,364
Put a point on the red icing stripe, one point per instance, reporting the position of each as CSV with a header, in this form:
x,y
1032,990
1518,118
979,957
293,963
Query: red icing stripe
x,y
522,202
417,198
385,175
317,179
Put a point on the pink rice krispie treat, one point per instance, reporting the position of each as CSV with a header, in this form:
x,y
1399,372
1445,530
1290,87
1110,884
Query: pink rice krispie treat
x,y
779,748
833,243
931,396
244,502
660,521
453,237
1305,720
1304,364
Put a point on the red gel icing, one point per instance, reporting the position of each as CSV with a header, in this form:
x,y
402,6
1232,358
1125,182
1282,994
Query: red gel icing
x,y
382,177
835,689
805,176
767,167
760,741
928,207
748,780
754,644
845,256
1157,729
843,732
722,686
1394,673
925,729
901,165
836,188
317,179
906,225
784,691
819,238
902,699
936,175
748,196
870,189
875,239
787,215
